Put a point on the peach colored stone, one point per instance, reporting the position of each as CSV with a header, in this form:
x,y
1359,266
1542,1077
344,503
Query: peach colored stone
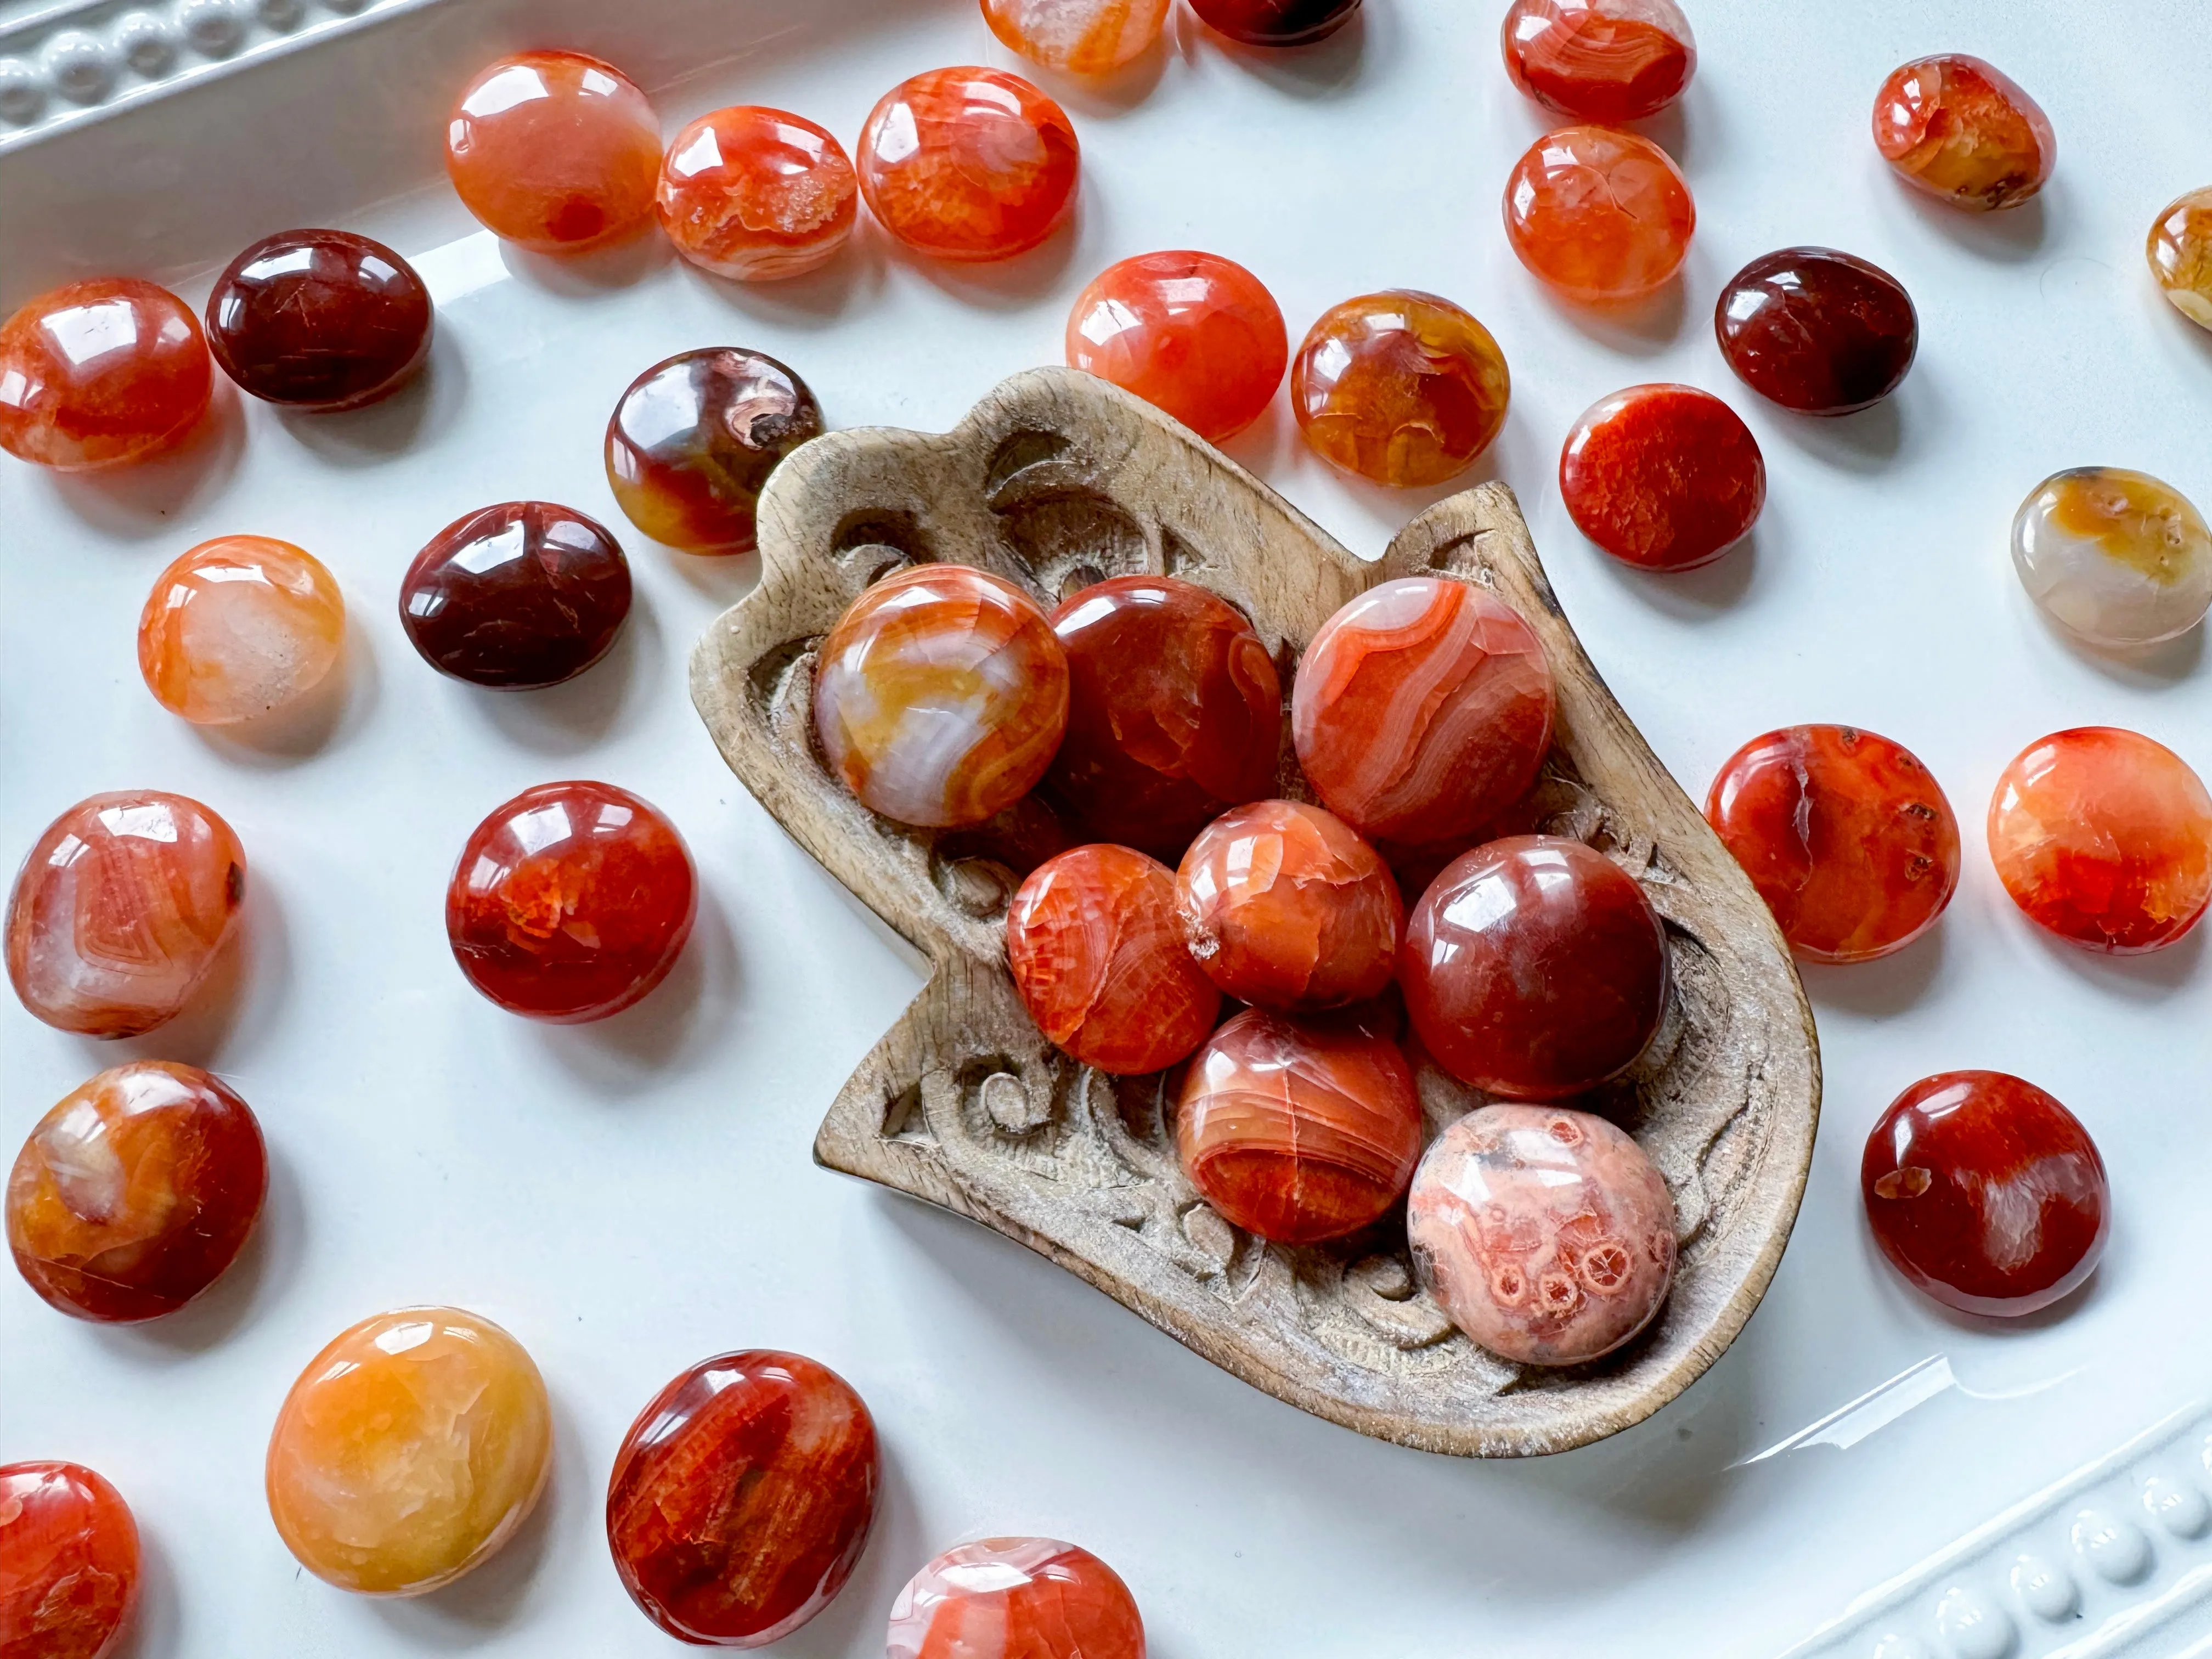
x,y
238,627
555,151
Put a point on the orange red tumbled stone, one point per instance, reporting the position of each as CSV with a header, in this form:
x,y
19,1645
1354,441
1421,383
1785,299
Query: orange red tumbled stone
x,y
1194,334
100,373
969,164
1016,1598
757,194
1600,60
68,1563
1080,37
555,151
1965,132
240,627
1663,477
1598,214
1399,387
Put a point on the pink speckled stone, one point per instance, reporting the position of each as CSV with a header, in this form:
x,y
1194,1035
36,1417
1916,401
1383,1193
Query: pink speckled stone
x,y
1546,1234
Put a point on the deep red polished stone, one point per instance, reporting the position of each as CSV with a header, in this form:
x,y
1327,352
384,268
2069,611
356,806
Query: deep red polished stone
x,y
1816,330
523,594
1276,22
1535,968
68,1563
571,903
319,319
1664,477
1986,1192
742,1497
1175,711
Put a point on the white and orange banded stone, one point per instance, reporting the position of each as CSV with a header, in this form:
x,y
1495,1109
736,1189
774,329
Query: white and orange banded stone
x,y
757,194
1080,37
240,627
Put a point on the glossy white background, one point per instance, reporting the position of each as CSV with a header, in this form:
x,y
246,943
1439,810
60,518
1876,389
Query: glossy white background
x,y
632,1197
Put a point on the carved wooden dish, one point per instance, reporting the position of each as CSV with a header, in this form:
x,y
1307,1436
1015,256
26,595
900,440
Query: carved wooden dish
x,y
1055,481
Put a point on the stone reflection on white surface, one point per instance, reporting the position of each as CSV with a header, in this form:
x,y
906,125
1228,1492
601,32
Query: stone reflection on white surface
x,y
2119,558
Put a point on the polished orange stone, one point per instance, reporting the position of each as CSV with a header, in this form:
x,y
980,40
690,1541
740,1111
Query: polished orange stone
x,y
1078,37
135,1192
1422,710
2179,250
941,696
2104,837
410,1449
1600,60
1401,388
68,1563
101,373
555,151
1663,477
1846,835
1194,334
238,627
119,911
969,164
1599,215
1098,954
1285,906
1016,1598
1299,1130
1962,130
757,194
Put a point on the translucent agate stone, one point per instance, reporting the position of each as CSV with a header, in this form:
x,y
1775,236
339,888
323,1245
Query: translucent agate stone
x,y
120,910
1963,131
135,1192
518,595
1299,1130
1846,836
1599,215
941,696
742,1497
1422,710
757,194
319,319
1547,1236
2117,558
1986,1193
2179,249
1097,952
1276,22
1816,330
68,1563
1285,906
1534,968
99,373
1401,388
1078,37
555,151
410,1449
1663,477
2105,837
1600,60
1194,334
240,627
1016,1598
969,164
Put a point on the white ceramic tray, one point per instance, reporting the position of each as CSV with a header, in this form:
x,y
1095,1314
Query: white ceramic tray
x,y
631,1197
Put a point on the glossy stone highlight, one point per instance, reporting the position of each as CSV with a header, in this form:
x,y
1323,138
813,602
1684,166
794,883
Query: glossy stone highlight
x,y
99,373
1286,907
2179,250
1276,22
1299,1130
409,1451
742,1497
2117,558
571,903
969,164
757,194
1016,1598
1194,334
1401,388
2104,837
1422,710
319,319
1175,711
1600,60
1663,477
68,1563
120,910
517,595
555,151
1816,330
1846,836
1547,1236
941,696
1534,968
238,628
692,442
135,1192
1599,215
1963,131
1078,37
1986,1192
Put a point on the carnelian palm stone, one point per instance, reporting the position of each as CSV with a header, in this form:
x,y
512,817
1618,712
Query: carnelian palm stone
x,y
1399,387
101,373
1194,333
1600,60
1963,131
1599,215
555,151
757,194
967,164
68,1563
1016,1598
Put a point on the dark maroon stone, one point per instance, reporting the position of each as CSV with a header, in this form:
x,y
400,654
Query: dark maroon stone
x,y
1817,331
319,319
1276,22
516,596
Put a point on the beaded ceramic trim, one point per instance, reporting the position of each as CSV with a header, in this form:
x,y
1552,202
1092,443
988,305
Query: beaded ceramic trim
x,y
2114,1559
62,61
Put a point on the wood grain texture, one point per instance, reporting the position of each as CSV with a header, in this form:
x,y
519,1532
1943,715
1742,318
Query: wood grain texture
x,y
1055,481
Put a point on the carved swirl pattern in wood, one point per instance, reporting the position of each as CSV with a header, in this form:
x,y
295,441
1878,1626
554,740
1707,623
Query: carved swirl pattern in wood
x,y
1057,480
